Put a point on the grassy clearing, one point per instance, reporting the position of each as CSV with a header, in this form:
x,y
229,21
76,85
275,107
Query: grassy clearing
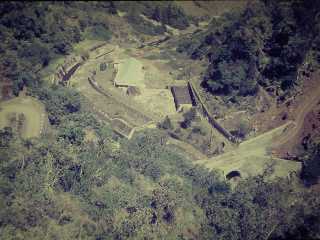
x,y
252,157
33,111
130,72
201,135
110,105
159,101
90,136
97,32
184,147
153,97
154,103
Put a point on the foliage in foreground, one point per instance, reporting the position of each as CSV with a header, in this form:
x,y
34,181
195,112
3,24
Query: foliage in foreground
x,y
56,188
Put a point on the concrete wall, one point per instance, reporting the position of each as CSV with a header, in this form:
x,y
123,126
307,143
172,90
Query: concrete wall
x,y
210,118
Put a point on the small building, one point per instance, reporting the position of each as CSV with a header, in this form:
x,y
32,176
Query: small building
x,y
182,96
129,73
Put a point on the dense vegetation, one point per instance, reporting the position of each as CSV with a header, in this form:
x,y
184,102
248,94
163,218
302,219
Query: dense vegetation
x,y
164,12
59,188
139,24
311,162
263,45
34,33
63,185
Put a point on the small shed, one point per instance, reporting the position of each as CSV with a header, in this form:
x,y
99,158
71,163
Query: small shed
x,y
182,97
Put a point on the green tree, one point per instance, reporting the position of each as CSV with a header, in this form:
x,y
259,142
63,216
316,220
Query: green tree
x,y
59,101
311,165
6,135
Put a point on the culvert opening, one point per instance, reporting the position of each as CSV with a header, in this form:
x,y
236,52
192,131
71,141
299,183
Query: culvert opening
x,y
233,174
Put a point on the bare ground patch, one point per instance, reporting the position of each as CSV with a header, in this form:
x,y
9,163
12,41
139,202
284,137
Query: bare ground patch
x,y
32,110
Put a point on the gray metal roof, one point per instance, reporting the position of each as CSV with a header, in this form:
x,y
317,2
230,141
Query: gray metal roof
x,y
181,95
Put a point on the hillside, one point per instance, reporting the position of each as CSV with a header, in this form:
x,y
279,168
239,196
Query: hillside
x,y
264,45
159,120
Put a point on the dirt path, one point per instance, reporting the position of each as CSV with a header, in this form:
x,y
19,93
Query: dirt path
x,y
253,156
311,99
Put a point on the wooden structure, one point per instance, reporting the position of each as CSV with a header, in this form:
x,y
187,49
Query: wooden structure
x,y
182,97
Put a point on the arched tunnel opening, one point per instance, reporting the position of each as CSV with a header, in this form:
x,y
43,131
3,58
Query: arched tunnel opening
x,y
233,174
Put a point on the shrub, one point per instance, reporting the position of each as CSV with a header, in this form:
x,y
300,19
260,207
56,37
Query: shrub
x,y
242,129
311,165
166,123
98,32
199,130
171,15
103,66
142,26
189,117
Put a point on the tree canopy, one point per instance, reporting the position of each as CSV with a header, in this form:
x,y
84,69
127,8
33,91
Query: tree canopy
x,y
263,45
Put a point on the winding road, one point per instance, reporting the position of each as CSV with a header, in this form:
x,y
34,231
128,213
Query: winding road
x,y
311,99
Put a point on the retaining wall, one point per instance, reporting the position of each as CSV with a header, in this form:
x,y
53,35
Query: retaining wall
x,y
214,123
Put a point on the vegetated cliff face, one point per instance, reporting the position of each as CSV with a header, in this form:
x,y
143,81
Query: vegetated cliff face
x,y
262,45
165,13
